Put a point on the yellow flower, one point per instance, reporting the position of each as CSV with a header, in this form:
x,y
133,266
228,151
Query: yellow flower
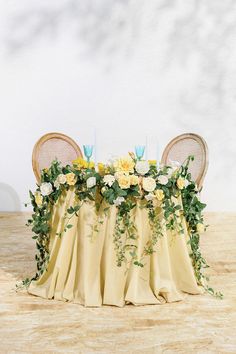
x,y
38,199
80,163
200,228
101,168
71,178
159,194
152,162
181,183
134,180
124,164
119,174
124,181
90,164
45,170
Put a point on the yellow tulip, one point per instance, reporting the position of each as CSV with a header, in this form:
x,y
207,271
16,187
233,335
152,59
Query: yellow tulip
x,y
101,168
152,162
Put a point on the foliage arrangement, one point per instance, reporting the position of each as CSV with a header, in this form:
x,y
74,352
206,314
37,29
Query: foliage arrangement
x,y
165,192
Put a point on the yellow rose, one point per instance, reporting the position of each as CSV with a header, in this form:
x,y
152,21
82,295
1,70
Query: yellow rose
x,y
38,199
152,162
124,181
71,178
134,180
125,164
181,183
159,194
200,228
80,163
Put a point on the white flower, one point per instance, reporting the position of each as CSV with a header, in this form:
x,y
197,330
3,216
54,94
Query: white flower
x,y
175,164
149,184
91,182
163,180
149,196
118,201
142,167
56,184
109,180
61,178
46,188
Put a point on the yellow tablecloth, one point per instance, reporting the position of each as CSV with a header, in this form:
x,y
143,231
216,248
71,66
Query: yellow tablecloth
x,y
83,269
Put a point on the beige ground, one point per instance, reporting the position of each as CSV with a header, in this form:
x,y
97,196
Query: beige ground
x,y
200,324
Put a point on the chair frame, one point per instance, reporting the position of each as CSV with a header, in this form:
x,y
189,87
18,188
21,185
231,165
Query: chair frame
x,y
41,141
202,142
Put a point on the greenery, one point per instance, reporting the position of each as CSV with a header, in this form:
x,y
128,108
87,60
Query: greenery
x,y
167,193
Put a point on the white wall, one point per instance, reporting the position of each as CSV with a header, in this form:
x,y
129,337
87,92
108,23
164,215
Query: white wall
x,y
128,69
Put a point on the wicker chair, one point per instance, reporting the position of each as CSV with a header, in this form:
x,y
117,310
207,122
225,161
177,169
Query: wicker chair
x,y
51,146
184,145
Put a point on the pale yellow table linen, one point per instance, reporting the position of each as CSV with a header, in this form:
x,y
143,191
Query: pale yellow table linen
x,y
82,266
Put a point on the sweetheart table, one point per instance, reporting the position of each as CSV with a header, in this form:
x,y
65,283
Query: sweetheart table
x,y
122,233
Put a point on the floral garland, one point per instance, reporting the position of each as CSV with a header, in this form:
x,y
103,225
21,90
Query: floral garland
x,y
122,183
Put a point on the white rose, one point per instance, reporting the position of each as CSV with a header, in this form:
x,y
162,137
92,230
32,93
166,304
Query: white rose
x,y
61,178
109,180
91,182
149,196
118,201
163,180
149,184
46,188
142,167
56,184
175,164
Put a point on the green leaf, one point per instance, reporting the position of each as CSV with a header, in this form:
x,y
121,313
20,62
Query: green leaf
x,y
70,210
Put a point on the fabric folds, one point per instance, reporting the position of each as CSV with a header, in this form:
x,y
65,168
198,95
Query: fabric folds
x,y
83,268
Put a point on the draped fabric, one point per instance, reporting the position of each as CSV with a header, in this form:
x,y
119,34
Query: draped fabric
x,y
82,267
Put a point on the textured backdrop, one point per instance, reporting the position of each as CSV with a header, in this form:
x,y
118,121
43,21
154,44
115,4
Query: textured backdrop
x,y
128,69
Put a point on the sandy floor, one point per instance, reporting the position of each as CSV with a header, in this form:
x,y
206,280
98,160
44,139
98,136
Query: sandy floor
x,y
199,324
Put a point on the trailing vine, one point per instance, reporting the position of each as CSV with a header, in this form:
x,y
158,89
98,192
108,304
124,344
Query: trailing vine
x,y
167,193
